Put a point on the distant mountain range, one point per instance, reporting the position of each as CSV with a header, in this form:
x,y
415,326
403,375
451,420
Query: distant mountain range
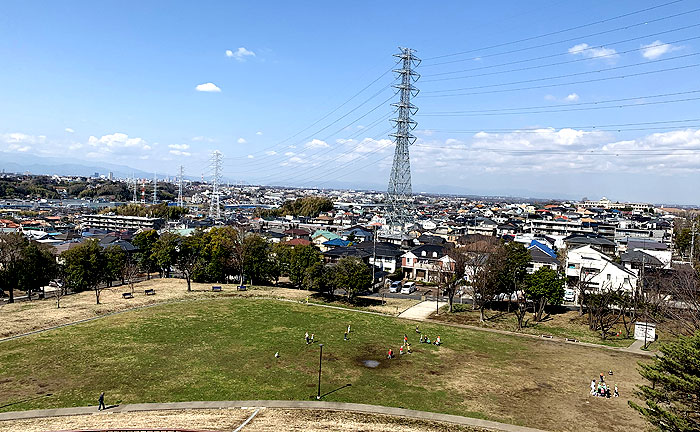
x,y
20,163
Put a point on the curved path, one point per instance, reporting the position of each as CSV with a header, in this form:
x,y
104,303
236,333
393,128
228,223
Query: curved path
x,y
334,406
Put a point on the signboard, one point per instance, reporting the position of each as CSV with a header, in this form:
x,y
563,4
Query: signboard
x,y
645,331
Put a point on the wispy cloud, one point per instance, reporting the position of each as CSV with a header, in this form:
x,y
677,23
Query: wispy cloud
x,y
656,49
586,50
179,153
241,54
316,143
241,141
69,130
208,87
573,97
179,146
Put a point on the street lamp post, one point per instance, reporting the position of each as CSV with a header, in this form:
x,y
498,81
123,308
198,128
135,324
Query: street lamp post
x,y
320,358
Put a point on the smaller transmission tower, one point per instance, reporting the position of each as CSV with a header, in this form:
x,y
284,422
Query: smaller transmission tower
x,y
214,205
155,188
179,186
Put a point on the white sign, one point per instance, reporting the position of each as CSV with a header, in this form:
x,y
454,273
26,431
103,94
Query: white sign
x,y
645,331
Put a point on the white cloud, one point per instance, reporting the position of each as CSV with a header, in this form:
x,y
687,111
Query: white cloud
x,y
586,50
117,140
250,156
258,133
179,146
69,130
179,153
208,87
270,152
203,139
289,154
573,97
316,143
296,159
550,97
240,54
656,49
241,141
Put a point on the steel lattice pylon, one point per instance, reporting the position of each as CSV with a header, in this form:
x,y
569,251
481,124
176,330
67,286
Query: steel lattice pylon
x,y
400,192
214,204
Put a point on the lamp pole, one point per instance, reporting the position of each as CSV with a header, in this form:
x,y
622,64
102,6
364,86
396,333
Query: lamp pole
x,y
320,358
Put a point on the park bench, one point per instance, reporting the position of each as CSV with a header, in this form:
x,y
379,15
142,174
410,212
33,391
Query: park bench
x,y
149,291
546,336
216,288
571,340
127,295
241,288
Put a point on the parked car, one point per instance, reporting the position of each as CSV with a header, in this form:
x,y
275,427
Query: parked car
x,y
395,287
569,295
408,288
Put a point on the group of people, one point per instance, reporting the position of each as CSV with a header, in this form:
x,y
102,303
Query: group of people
x,y
406,346
309,339
602,389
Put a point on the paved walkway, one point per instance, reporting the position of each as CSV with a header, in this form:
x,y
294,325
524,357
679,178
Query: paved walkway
x,y
335,406
421,311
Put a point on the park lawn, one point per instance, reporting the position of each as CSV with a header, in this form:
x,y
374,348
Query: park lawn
x,y
564,325
223,349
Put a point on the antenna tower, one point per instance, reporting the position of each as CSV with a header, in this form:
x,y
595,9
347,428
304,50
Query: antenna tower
x,y
214,205
179,186
400,193
136,187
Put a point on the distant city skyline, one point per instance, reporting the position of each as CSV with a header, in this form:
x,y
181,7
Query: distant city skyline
x,y
544,99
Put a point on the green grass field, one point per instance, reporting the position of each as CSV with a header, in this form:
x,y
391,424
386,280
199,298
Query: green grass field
x,y
224,350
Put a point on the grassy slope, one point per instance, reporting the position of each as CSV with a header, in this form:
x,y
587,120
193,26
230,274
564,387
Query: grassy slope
x,y
223,350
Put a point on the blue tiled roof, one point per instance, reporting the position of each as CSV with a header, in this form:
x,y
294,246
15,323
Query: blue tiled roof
x,y
549,251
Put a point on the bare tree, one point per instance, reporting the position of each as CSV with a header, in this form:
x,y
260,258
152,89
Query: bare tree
x,y
450,272
683,308
604,312
130,271
482,268
59,293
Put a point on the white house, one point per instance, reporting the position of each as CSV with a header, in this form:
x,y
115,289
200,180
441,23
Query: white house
x,y
598,271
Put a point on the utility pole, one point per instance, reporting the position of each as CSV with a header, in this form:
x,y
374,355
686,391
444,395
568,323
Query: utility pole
x,y
179,186
374,258
155,188
399,192
214,204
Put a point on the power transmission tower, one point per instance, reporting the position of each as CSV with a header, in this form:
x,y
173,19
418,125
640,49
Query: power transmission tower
x,y
155,188
214,207
179,186
400,193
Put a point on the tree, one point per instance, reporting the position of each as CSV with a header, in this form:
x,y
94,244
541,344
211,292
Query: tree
x,y
672,400
258,260
218,253
603,309
164,252
684,309
11,250
544,287
450,273
37,268
130,271
188,256
282,254
145,240
318,278
352,275
514,268
115,261
84,267
483,266
302,257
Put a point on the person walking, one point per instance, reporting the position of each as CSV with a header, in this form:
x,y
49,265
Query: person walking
x,y
348,328
346,336
390,354
101,401
592,387
306,337
313,336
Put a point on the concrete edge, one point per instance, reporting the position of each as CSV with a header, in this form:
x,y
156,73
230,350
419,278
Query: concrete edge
x,y
279,404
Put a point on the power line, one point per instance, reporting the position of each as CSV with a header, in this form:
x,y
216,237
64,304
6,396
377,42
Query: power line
x,y
555,32
567,83
581,152
613,55
436,113
565,75
615,127
513,51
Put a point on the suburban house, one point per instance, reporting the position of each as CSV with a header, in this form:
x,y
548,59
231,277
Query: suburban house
x,y
424,262
541,256
388,255
597,271
332,256
597,242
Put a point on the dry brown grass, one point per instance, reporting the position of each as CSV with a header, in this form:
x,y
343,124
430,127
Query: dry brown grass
x,y
267,420
24,317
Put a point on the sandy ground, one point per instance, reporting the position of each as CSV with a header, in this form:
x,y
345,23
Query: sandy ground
x,y
24,317
267,420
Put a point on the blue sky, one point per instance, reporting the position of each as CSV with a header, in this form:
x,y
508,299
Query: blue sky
x,y
117,82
